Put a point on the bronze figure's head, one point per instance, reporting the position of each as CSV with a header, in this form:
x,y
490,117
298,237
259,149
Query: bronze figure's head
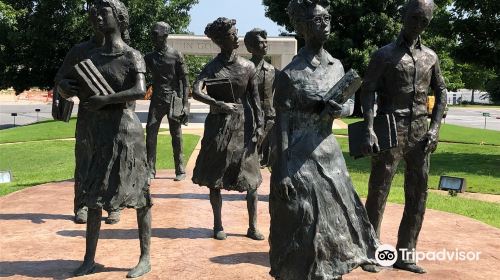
x,y
310,18
256,42
223,32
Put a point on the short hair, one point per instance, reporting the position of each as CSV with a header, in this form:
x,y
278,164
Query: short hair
x,y
219,28
297,9
164,25
251,37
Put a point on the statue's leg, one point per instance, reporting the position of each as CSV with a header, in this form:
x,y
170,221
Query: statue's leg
x,y
81,211
416,177
92,236
176,133
144,225
383,168
216,201
252,199
155,116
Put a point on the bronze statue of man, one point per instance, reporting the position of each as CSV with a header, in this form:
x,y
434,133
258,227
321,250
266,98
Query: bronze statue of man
x,y
67,87
169,73
256,44
401,74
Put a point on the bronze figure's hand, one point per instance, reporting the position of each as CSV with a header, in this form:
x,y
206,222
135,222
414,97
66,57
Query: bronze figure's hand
x,y
334,109
370,145
228,107
96,102
285,189
431,141
69,88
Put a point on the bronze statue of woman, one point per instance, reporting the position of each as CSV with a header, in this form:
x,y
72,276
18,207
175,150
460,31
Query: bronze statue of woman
x,y
319,227
117,173
228,157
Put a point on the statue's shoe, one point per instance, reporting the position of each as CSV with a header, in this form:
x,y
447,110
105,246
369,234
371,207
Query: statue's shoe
x,y
85,269
113,217
81,216
220,235
180,177
373,268
409,267
255,234
140,269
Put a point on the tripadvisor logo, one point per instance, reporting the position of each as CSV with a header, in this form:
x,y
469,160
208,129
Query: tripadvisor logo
x,y
386,255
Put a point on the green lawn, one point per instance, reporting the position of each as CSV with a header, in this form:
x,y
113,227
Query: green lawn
x,y
36,163
451,133
48,130
449,159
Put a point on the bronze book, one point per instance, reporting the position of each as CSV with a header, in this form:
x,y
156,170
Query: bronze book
x,y
345,88
385,129
90,80
220,89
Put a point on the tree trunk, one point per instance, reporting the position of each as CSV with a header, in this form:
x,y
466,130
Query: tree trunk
x,y
472,97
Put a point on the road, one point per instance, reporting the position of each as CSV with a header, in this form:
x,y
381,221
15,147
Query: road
x,y
468,116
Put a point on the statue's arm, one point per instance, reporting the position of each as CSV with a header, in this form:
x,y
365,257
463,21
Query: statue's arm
x,y
439,87
183,78
371,82
136,92
254,99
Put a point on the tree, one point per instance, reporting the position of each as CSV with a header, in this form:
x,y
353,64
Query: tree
x,y
360,27
477,27
37,34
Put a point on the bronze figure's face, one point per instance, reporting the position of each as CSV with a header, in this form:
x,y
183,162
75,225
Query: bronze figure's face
x,y
106,19
417,18
318,23
260,47
230,40
159,35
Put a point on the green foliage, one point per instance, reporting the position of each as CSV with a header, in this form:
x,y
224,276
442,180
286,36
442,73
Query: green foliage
x,y
477,25
195,64
493,89
36,35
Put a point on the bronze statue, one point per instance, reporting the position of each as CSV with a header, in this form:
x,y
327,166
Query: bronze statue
x,y
228,157
401,73
170,81
256,43
115,174
67,87
319,227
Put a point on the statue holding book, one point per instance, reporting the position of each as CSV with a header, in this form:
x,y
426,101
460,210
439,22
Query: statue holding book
x,y
65,87
170,97
401,74
228,157
115,173
256,44
319,227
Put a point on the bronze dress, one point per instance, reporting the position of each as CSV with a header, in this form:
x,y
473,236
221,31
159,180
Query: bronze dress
x,y
113,169
323,232
228,158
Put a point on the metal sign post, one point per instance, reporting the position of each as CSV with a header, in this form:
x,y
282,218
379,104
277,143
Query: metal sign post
x,y
486,115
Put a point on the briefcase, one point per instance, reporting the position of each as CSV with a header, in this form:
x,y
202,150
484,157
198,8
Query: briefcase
x,y
177,111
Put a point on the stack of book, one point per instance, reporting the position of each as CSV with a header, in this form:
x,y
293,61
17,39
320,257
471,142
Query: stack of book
x,y
90,80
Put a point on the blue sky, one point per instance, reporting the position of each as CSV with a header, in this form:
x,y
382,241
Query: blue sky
x,y
248,14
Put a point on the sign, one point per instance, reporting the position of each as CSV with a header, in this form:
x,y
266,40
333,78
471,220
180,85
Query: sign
x,y
5,177
486,115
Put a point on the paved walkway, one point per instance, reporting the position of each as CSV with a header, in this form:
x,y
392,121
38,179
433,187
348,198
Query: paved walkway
x,y
39,239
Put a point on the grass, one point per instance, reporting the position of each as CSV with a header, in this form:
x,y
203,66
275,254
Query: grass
x,y
485,178
47,130
35,163
451,133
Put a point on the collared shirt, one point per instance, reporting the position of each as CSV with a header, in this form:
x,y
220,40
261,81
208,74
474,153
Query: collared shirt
x,y
168,69
266,74
401,76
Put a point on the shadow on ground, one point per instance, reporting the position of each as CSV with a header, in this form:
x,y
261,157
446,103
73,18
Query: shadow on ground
x,y
36,218
168,233
257,258
201,196
55,269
